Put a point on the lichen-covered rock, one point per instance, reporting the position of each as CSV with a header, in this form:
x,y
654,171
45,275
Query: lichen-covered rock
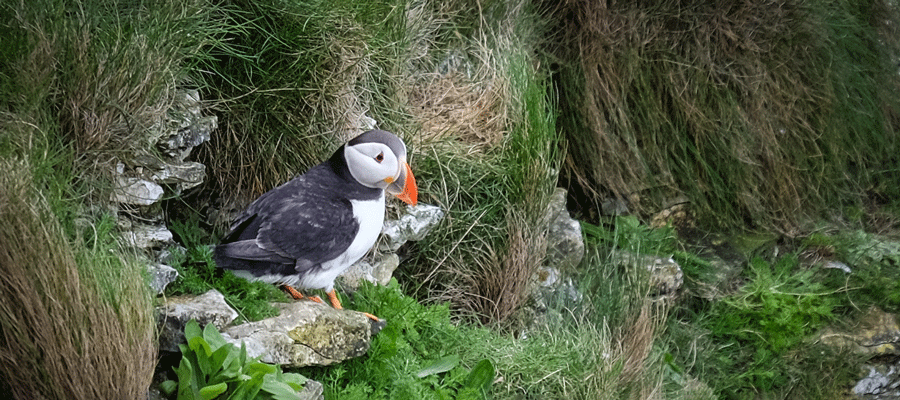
x,y
666,276
877,333
208,308
565,244
184,128
305,333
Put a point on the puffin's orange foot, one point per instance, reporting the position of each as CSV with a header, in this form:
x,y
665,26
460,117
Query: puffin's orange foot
x,y
293,292
299,296
336,303
372,317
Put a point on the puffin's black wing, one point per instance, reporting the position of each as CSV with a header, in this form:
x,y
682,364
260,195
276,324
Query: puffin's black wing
x,y
292,228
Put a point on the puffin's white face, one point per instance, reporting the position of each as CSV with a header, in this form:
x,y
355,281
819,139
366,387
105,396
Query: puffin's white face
x,y
377,159
373,164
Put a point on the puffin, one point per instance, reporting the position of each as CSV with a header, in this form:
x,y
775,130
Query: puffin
x,y
306,232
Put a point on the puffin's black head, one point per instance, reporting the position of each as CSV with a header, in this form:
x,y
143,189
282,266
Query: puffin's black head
x,y
377,159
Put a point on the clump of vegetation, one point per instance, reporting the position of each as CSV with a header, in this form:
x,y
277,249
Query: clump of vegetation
x,y
212,368
70,302
754,122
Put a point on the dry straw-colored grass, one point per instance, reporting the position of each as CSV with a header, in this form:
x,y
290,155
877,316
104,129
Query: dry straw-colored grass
x,y
452,106
732,104
58,338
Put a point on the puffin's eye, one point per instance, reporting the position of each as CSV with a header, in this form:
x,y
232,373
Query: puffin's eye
x,y
379,157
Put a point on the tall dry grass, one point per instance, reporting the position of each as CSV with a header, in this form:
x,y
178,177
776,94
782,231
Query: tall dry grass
x,y
60,337
758,112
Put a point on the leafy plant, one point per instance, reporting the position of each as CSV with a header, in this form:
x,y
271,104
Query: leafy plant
x,y
212,368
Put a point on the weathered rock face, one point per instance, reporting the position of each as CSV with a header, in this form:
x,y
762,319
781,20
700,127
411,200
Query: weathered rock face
x,y
882,382
161,275
305,333
143,180
208,308
413,225
565,244
877,333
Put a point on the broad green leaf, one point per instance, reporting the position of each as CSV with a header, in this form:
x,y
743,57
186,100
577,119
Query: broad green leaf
x,y
213,337
482,376
258,368
440,365
168,387
279,390
296,381
212,391
192,330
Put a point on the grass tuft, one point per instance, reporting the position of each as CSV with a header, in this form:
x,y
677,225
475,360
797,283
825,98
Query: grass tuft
x,y
68,308
759,123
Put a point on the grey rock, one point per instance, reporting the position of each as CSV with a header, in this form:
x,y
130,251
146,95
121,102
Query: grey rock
x,y
665,275
178,145
208,308
184,128
377,269
312,390
147,236
305,333
414,225
136,191
881,383
161,275
180,175
565,243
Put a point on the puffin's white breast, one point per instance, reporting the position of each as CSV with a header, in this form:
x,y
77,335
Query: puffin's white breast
x,y
370,216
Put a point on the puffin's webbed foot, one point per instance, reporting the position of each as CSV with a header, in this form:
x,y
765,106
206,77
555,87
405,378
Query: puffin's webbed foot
x,y
332,296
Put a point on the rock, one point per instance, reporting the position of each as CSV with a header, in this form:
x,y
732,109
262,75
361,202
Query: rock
x,y
185,127
565,243
147,236
312,390
208,308
178,145
180,175
377,269
136,191
666,276
414,225
876,333
305,333
677,215
882,382
161,275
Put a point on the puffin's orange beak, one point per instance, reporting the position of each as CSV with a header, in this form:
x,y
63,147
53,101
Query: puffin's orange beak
x,y
405,186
